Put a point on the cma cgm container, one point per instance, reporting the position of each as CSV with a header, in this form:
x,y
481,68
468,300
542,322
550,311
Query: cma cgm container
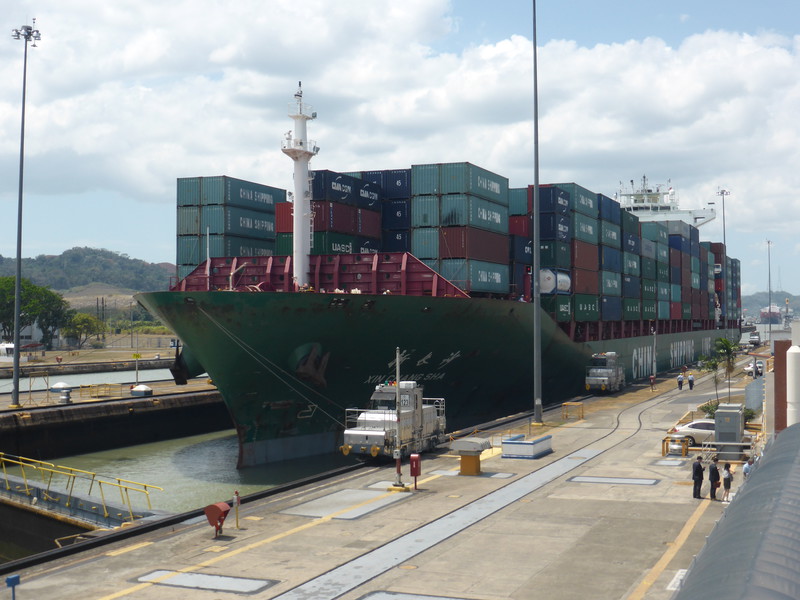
x,y
581,199
520,251
396,241
396,214
551,199
338,187
395,183
201,191
476,275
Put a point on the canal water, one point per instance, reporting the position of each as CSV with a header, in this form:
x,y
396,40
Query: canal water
x,y
76,380
197,471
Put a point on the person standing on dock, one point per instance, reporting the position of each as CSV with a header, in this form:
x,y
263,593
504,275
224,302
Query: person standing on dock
x,y
691,381
680,381
713,477
697,476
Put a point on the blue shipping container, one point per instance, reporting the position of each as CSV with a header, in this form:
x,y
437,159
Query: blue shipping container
x,y
396,241
631,286
396,214
609,209
397,183
554,227
520,249
552,199
611,308
610,259
633,243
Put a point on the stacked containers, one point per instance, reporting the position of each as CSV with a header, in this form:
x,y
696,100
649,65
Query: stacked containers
x,y
556,277
459,217
396,210
223,216
346,215
655,242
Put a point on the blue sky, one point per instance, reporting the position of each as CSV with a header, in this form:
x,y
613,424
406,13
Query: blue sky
x,y
125,97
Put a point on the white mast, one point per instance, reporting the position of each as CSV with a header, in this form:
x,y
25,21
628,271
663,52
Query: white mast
x,y
300,150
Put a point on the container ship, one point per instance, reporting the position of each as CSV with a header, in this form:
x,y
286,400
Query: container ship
x,y
294,304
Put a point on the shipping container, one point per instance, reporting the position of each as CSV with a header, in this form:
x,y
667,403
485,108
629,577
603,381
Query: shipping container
x,y
368,223
397,184
327,242
630,264
228,191
610,259
476,275
425,242
466,178
365,245
609,209
611,308
553,226
552,199
631,286
284,217
559,306
425,211
464,209
679,243
662,272
234,220
194,249
610,234
585,282
675,310
648,248
630,223
520,251
631,309
663,309
521,225
695,281
396,241
662,253
649,289
633,243
663,291
675,292
555,281
675,275
581,199
655,231
610,283
330,186
518,201
474,243
283,244
648,268
335,217
586,307
189,220
584,228
585,255
649,312
555,254
425,180
679,228
396,214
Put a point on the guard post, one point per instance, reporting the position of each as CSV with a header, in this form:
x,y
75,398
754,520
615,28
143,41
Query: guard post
x,y
416,467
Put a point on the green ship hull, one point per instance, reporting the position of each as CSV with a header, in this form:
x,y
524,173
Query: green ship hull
x,y
288,364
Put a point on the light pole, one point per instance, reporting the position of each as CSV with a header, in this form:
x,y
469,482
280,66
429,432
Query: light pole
x,y
769,294
724,193
27,33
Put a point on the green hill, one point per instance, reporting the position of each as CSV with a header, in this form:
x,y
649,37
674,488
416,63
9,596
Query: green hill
x,y
84,266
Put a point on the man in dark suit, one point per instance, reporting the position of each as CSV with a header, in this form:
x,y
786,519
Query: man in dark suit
x,y
713,477
697,476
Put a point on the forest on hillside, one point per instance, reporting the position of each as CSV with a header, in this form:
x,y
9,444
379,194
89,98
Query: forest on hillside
x,y
82,266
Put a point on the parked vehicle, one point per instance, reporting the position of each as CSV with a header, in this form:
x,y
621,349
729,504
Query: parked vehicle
x,y
699,431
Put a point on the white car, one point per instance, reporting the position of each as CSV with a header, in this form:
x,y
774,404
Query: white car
x,y
699,430
759,368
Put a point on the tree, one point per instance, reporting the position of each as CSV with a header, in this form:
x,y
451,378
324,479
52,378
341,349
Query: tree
x,y
710,364
27,311
82,327
726,351
52,313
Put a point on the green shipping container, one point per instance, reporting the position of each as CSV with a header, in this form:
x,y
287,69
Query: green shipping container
x,y
586,307
283,244
662,253
192,248
468,210
648,268
610,234
581,199
663,292
476,275
649,289
234,220
662,272
630,264
189,220
466,178
425,211
694,263
229,191
695,281
425,180
518,201
558,305
631,309
655,231
686,310
630,223
584,228
649,311
663,309
425,242
555,254
610,283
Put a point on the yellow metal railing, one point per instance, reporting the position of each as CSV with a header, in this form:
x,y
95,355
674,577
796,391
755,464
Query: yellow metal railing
x,y
51,474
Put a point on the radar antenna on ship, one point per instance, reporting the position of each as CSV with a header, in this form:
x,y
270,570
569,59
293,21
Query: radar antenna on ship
x,y
301,150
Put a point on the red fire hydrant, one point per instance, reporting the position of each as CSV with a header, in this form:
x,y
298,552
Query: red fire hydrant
x,y
216,513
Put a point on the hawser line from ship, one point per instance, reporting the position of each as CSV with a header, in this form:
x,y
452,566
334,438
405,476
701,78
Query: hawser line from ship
x,y
291,342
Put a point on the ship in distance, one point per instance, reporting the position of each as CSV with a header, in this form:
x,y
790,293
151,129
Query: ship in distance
x,y
300,320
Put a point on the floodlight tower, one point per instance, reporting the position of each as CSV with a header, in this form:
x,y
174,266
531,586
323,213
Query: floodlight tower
x,y
301,150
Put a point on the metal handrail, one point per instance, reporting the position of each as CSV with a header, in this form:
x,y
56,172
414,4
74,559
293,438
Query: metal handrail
x,y
48,471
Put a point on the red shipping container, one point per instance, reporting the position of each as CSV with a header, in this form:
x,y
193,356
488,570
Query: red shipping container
x,y
686,294
334,217
675,310
719,285
697,312
585,282
369,223
675,257
584,255
470,242
520,225
686,279
283,217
